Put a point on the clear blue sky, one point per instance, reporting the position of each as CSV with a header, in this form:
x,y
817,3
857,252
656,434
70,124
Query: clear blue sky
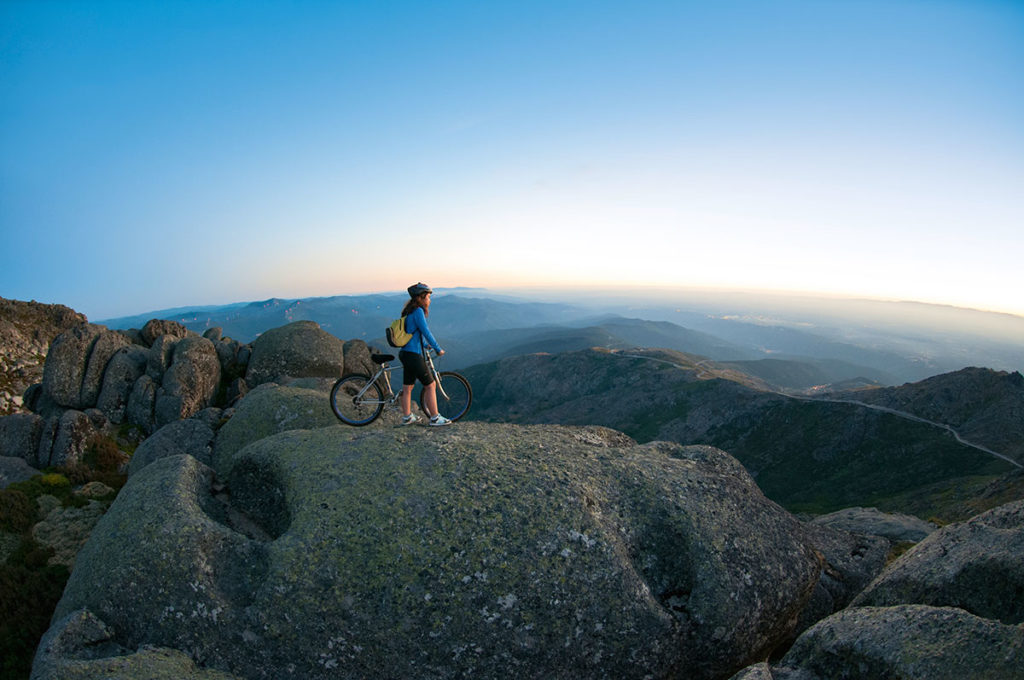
x,y
171,153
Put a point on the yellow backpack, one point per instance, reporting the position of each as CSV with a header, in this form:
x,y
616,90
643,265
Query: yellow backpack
x,y
396,333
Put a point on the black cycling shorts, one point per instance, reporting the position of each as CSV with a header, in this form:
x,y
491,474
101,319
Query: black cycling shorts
x,y
414,367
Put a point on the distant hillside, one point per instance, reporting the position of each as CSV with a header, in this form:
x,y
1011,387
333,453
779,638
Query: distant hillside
x,y
879,343
26,331
808,456
359,316
984,406
806,374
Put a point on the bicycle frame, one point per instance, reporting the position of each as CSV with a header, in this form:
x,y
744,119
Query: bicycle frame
x,y
383,374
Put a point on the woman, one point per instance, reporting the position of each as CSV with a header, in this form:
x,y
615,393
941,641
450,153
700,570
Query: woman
x,y
414,366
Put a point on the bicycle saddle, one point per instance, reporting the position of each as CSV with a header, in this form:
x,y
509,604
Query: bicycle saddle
x,y
381,358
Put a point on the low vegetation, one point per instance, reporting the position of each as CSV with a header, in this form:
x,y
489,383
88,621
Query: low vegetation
x,y
30,586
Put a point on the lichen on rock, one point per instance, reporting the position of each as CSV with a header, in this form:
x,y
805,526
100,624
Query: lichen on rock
x,y
480,550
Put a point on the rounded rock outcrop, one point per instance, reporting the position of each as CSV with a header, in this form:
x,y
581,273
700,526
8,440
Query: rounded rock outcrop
x,y
269,409
190,383
481,550
299,350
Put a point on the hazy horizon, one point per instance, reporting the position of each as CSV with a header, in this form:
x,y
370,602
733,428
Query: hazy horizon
x,y
159,155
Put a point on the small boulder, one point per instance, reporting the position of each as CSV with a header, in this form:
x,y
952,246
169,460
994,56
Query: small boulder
x,y
357,359
14,470
191,436
155,328
299,350
19,435
896,527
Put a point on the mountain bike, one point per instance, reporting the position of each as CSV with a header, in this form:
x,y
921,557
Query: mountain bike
x,y
360,399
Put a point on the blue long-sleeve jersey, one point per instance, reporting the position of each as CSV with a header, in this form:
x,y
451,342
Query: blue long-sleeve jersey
x,y
416,323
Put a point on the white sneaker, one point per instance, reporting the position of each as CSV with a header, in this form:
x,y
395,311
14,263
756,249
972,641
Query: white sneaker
x,y
439,420
410,419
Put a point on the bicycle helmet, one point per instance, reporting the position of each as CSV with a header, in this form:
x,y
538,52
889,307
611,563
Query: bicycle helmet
x,y
419,289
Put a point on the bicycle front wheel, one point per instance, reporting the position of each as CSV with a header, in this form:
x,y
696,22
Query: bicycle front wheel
x,y
454,395
356,401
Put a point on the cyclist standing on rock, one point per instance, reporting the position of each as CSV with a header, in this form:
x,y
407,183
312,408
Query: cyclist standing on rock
x,y
414,366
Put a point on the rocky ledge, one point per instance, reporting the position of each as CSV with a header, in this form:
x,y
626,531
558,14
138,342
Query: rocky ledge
x,y
478,550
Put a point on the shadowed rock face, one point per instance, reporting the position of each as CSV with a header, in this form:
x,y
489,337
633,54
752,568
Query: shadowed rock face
x,y
907,641
482,550
977,565
951,607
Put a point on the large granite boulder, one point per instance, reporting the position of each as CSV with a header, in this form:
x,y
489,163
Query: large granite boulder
x,y
141,404
977,565
907,641
266,410
107,345
192,436
66,363
64,439
191,382
19,435
161,354
73,373
126,366
896,527
299,350
473,551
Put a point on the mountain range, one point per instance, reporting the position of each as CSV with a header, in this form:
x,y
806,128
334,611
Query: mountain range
x,y
794,347
710,421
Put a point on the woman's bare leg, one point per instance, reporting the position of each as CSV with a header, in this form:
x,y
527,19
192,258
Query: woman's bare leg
x,y
406,399
430,399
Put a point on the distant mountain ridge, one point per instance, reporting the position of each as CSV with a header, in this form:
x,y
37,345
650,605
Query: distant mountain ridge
x,y
479,326
807,455
983,405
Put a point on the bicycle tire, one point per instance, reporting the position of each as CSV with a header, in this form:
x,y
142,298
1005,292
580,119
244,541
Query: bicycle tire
x,y
460,396
344,405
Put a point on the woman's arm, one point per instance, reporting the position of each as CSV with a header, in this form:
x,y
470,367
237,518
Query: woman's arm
x,y
420,319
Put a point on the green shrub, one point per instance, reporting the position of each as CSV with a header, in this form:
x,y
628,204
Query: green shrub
x,y
100,463
17,511
29,592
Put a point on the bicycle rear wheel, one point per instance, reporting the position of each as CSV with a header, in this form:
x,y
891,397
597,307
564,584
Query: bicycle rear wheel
x,y
459,395
353,409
